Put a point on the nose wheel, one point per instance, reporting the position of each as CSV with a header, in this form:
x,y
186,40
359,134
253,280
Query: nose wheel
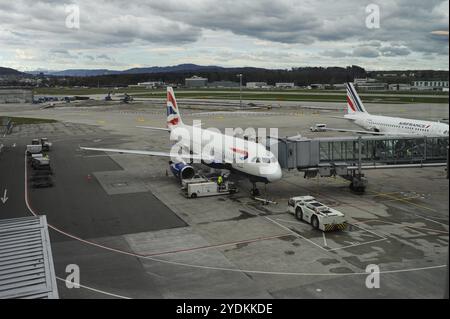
x,y
255,191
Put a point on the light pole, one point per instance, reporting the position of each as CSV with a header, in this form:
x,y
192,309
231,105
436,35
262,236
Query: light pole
x,y
240,89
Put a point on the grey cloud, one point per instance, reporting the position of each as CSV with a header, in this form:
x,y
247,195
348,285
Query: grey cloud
x,y
335,53
277,21
395,51
307,22
366,52
103,57
101,24
62,54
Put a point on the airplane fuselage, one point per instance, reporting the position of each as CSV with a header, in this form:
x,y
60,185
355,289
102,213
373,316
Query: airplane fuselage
x,y
242,156
398,125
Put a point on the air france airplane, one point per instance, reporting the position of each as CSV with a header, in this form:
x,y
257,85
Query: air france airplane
x,y
382,125
216,150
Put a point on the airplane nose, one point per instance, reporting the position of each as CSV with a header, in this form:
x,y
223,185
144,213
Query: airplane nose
x,y
275,175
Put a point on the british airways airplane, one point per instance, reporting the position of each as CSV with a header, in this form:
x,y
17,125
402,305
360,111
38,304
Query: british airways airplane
x,y
217,150
383,125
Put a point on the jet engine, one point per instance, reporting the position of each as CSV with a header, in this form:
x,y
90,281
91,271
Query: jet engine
x,y
182,170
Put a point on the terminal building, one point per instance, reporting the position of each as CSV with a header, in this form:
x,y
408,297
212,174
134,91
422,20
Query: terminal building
x,y
151,84
15,95
224,84
289,85
439,85
195,82
400,87
256,85
368,84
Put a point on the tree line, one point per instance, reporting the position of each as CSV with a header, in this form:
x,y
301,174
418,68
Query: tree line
x,y
299,76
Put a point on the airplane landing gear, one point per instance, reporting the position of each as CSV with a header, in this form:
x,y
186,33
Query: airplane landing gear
x,y
255,191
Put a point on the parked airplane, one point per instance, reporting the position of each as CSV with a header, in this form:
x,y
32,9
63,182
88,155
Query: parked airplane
x,y
383,125
217,150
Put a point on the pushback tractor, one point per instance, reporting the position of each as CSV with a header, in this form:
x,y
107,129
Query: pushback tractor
x,y
308,209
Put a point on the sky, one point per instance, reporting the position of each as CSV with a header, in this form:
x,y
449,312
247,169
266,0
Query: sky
x,y
117,34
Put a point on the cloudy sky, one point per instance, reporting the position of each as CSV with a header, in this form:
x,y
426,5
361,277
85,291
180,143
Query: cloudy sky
x,y
118,34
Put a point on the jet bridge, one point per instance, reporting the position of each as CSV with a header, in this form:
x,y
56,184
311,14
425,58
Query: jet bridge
x,y
348,156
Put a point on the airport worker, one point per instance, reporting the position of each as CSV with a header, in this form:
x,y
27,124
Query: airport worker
x,y
220,180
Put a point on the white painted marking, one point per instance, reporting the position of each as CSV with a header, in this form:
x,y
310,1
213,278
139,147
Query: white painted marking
x,y
97,290
295,234
4,198
324,240
431,220
369,231
93,156
359,244
289,221
404,226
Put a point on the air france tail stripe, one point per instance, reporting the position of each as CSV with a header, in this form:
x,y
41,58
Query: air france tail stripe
x,y
351,98
358,101
349,101
354,98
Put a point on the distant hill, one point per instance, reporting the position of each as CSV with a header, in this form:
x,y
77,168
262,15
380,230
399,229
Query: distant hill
x,y
76,72
9,72
144,70
176,68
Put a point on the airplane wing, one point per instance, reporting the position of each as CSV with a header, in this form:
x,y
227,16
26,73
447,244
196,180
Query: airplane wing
x,y
149,153
154,128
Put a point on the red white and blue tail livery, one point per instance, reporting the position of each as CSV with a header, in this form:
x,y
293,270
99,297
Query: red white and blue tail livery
x,y
173,114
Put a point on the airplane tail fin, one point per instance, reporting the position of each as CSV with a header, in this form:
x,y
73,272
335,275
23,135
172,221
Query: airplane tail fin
x,y
173,113
354,103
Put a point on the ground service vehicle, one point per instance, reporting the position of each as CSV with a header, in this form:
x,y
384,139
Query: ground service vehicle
x,y
308,209
34,149
43,142
208,188
41,163
318,128
41,182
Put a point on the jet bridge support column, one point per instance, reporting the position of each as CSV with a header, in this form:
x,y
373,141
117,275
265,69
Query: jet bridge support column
x,y
358,182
